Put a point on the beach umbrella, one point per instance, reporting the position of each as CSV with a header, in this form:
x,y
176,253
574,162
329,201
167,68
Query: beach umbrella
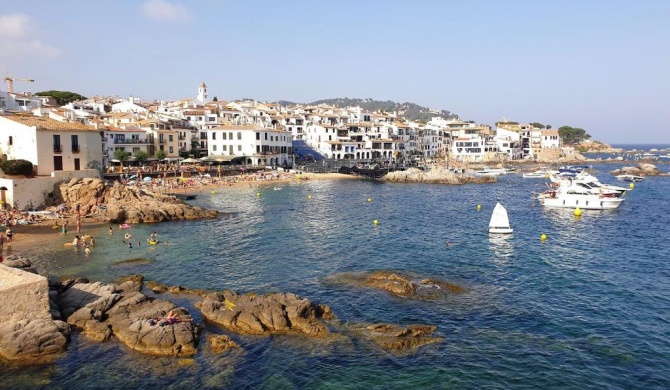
x,y
133,177
147,178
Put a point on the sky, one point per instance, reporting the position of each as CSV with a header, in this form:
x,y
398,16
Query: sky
x,y
601,65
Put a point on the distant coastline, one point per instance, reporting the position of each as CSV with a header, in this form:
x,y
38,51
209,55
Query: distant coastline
x,y
645,146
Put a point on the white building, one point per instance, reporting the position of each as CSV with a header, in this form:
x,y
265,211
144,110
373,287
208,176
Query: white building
x,y
468,149
251,144
550,139
49,144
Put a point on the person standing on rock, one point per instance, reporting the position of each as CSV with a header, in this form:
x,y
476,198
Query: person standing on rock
x,y
9,234
64,229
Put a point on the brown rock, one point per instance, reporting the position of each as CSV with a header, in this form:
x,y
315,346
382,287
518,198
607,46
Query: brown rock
x,y
397,337
264,314
32,338
220,343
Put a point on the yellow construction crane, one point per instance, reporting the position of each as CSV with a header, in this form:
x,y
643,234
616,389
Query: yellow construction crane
x,y
10,82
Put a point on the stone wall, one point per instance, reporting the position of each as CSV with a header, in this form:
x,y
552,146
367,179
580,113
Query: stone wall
x,y
23,294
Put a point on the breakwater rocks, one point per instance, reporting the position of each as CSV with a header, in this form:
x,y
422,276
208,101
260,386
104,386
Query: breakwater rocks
x,y
126,204
642,169
435,175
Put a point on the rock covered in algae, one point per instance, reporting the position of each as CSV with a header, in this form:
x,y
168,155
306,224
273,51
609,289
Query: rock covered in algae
x,y
400,284
398,337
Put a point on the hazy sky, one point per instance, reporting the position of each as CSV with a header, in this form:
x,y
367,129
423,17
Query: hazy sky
x,y
600,65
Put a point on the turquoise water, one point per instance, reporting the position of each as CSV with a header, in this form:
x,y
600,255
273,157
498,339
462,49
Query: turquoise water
x,y
588,308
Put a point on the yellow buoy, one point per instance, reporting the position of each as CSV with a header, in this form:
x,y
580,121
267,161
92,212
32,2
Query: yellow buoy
x,y
309,196
369,199
375,222
258,194
479,207
213,192
543,237
631,185
578,212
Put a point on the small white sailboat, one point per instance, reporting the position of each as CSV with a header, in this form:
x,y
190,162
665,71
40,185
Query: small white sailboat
x,y
499,221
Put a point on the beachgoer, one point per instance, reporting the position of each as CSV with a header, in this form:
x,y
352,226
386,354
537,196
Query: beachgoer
x,y
127,236
63,230
91,242
130,245
75,242
170,318
78,225
87,250
9,234
2,240
154,235
111,231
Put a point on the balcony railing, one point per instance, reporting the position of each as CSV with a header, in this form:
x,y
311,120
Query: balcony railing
x,y
58,149
75,148
131,141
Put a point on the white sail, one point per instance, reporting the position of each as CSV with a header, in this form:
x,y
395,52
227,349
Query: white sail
x,y
499,220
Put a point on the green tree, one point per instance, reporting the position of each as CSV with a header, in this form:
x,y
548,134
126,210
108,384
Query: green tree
x,y
160,155
141,156
17,167
62,97
121,155
548,127
572,135
216,99
538,125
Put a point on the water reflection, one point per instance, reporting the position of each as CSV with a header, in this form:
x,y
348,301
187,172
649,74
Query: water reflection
x,y
502,246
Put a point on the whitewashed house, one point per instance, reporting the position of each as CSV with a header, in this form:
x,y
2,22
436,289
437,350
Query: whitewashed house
x,y
250,144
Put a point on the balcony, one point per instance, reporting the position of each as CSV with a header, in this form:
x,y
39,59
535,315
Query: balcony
x,y
58,149
75,148
130,141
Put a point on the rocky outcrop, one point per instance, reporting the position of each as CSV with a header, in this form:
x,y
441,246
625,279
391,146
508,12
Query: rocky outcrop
x,y
32,339
127,204
400,284
398,337
642,169
266,314
27,330
435,175
101,309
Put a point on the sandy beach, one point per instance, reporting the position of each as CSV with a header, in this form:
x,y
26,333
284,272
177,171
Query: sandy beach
x,y
34,234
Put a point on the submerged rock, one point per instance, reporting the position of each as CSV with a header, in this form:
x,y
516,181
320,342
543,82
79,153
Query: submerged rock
x,y
400,284
266,314
398,337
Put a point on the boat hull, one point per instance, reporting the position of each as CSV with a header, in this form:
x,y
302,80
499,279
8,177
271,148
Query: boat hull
x,y
592,202
501,230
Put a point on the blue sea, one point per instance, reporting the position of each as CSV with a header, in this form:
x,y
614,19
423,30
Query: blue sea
x,y
589,308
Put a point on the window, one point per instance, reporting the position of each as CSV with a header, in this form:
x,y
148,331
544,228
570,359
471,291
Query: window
x,y
224,136
266,136
239,148
171,149
57,146
11,140
213,135
170,137
213,148
258,136
75,143
239,135
77,164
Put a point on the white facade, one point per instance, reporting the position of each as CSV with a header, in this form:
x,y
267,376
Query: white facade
x,y
129,105
50,145
255,145
550,139
468,149
18,102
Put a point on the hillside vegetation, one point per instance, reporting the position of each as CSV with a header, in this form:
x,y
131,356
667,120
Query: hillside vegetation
x,y
411,111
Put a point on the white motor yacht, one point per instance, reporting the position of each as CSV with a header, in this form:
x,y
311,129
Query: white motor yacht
x,y
572,195
491,172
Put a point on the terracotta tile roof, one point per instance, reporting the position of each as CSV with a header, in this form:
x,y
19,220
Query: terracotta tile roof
x,y
44,123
